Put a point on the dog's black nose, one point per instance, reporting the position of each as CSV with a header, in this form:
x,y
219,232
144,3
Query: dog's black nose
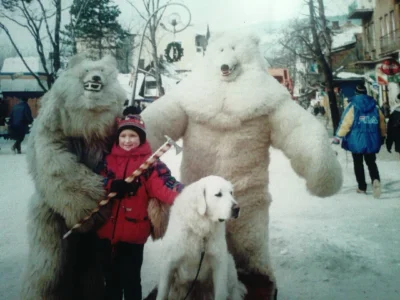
x,y
96,78
235,211
224,68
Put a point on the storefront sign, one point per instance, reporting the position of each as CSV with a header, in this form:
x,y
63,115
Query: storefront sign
x,y
390,67
381,78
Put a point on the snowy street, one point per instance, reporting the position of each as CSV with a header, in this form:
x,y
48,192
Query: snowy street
x,y
342,247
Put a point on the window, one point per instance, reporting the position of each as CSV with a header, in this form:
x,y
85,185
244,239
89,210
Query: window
x,y
381,25
387,24
372,33
392,23
367,44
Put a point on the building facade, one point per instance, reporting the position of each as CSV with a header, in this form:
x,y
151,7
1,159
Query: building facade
x,y
381,44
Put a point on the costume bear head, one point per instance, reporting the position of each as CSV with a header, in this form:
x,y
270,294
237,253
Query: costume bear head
x,y
84,100
231,83
229,55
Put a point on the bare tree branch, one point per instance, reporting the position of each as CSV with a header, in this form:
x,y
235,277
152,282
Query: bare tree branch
x,y
23,60
14,20
306,43
147,6
45,21
291,49
135,8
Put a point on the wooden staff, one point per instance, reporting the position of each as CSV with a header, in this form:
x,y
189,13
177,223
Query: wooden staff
x,y
155,156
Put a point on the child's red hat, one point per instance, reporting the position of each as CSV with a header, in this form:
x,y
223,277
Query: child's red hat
x,y
135,123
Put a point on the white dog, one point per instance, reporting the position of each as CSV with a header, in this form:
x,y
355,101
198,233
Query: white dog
x,y
197,225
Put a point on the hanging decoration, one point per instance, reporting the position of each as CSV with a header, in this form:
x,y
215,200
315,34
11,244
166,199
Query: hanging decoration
x,y
177,52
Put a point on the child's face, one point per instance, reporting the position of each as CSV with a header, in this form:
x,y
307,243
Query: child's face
x,y
128,139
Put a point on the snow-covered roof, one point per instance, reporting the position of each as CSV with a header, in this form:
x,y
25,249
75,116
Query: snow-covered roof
x,y
21,85
346,75
16,65
346,37
15,77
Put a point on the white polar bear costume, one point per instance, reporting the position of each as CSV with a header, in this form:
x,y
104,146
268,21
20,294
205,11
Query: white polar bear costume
x,y
229,112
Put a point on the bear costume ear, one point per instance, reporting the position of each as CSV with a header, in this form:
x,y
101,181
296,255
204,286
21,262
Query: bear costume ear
x,y
109,60
75,60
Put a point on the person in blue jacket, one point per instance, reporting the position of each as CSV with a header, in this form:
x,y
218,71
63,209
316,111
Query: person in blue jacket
x,y
18,124
363,131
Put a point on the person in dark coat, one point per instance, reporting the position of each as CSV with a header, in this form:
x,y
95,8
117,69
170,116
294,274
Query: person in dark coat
x,y
18,124
393,129
363,130
3,112
386,109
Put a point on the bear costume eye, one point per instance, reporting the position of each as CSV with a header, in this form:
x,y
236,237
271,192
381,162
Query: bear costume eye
x,y
87,70
233,48
102,70
219,194
222,50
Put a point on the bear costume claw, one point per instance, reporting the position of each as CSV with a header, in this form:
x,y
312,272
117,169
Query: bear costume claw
x,y
259,287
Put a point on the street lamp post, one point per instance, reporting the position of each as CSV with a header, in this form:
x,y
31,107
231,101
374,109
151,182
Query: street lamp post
x,y
141,43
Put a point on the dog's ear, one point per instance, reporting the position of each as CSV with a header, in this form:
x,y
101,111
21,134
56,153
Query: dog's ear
x,y
201,200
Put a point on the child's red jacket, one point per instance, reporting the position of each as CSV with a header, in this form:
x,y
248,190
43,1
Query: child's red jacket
x,y
129,221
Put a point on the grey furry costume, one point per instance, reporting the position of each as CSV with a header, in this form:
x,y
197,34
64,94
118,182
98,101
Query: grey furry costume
x,y
73,129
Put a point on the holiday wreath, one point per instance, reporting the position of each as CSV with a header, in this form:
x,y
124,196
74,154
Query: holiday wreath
x,y
177,52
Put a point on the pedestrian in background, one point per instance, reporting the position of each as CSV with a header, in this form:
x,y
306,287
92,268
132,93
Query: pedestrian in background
x,y
18,124
363,131
393,128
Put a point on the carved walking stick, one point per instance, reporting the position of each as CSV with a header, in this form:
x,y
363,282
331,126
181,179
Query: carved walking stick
x,y
156,155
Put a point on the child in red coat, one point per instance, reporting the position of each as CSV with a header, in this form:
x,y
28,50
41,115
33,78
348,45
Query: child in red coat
x,y
124,234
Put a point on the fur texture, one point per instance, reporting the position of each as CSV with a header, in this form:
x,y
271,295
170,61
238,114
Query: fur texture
x,y
228,124
196,225
159,216
67,142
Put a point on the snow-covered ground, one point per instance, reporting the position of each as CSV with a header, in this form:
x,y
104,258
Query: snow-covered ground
x,y
343,247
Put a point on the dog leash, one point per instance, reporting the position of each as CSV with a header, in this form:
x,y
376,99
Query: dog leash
x,y
195,279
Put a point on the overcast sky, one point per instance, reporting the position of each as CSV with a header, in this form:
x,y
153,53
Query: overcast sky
x,y
231,14
219,14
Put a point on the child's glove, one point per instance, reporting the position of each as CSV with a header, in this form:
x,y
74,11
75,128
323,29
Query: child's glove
x,y
120,187
335,140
